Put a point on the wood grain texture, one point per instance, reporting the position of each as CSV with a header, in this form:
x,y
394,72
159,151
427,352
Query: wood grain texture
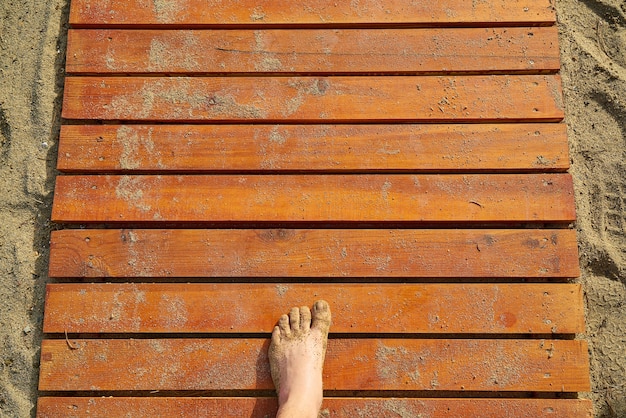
x,y
351,364
108,407
316,99
357,308
315,198
314,114
311,51
325,12
440,253
197,148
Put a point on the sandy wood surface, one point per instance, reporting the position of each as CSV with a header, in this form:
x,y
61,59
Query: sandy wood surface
x,y
32,40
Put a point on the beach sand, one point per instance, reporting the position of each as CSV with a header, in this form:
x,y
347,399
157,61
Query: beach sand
x,y
32,44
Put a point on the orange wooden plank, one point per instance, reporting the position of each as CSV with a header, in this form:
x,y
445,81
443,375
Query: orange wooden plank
x,y
314,51
316,99
324,12
351,364
529,147
315,198
314,253
108,407
357,308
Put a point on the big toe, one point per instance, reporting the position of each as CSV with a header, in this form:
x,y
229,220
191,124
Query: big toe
x,y
320,316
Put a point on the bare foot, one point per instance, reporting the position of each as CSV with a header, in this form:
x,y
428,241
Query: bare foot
x,y
296,359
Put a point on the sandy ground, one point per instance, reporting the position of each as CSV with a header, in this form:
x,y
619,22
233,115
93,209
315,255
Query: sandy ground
x,y
32,41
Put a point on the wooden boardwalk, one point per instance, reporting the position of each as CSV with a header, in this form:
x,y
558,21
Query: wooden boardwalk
x,y
226,160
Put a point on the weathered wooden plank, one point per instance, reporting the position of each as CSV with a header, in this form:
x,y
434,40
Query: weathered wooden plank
x,y
441,253
358,308
314,51
109,407
315,198
316,99
351,364
528,147
316,12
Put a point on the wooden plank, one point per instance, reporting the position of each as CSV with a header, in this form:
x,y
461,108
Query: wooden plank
x,y
528,147
314,51
358,308
351,364
108,407
316,99
316,12
440,253
315,198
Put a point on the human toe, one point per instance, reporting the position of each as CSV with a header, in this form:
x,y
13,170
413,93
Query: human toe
x,y
305,318
283,325
294,320
321,316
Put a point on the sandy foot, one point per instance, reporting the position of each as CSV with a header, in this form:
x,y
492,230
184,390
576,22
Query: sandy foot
x,y
296,357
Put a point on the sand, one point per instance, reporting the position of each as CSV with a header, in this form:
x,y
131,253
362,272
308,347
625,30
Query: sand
x,y
32,41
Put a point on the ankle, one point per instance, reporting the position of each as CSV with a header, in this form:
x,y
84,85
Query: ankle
x,y
300,402
298,408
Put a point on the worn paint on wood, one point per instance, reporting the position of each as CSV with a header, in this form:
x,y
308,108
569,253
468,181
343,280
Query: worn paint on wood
x,y
405,51
315,198
310,12
442,253
332,148
108,407
357,308
316,99
351,364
